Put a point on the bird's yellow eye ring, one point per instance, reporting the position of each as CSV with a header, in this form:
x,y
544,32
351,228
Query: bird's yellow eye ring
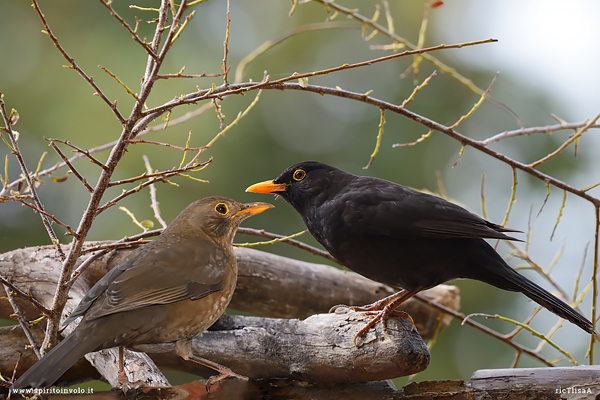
x,y
299,174
222,208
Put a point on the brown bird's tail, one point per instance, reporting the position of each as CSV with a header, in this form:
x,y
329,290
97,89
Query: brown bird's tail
x,y
57,361
519,283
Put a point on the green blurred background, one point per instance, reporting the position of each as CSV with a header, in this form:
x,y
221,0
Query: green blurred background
x,y
545,55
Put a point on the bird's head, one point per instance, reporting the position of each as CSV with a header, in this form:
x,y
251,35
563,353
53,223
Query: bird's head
x,y
303,184
216,217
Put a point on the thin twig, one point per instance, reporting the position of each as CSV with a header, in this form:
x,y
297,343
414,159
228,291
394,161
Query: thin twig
x,y
22,322
14,374
537,129
595,283
166,145
512,200
158,177
133,33
416,142
378,142
527,328
180,74
226,48
476,105
72,168
153,201
36,199
227,90
89,80
444,68
31,299
573,138
272,241
269,44
295,243
45,214
120,82
418,88
87,153
484,329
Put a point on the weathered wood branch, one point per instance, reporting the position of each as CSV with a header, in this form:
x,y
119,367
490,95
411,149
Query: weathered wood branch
x,y
318,349
268,285
573,383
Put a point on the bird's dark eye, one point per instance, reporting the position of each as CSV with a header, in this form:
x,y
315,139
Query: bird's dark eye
x,y
222,208
299,175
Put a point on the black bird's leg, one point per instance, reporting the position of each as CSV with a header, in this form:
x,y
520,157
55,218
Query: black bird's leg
x,y
377,306
184,349
386,307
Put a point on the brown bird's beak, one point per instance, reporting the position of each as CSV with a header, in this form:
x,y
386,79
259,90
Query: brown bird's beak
x,y
251,209
268,187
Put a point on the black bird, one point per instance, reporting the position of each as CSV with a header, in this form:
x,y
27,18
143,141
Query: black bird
x,y
401,237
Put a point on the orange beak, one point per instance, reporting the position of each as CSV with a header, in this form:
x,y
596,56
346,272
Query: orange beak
x,y
268,187
253,209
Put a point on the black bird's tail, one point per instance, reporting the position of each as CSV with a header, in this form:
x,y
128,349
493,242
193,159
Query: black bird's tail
x,y
57,361
519,283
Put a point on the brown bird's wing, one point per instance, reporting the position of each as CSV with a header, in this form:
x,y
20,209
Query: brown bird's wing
x,y
394,210
156,274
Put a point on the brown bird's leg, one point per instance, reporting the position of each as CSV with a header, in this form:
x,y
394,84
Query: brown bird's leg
x,y
393,302
122,380
184,349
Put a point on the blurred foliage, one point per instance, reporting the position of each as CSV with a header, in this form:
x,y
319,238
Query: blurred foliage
x,y
284,128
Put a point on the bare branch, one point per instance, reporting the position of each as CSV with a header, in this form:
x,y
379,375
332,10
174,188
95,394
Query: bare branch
x,y
74,65
17,152
485,329
295,243
22,322
153,201
18,292
572,139
133,33
44,214
72,168
537,129
87,153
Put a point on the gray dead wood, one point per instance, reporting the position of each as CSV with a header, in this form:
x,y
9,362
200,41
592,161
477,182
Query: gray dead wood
x,y
269,285
565,383
318,349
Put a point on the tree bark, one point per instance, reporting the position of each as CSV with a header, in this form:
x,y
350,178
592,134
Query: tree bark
x,y
572,383
270,286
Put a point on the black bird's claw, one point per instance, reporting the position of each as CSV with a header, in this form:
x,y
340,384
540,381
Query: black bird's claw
x,y
342,307
383,315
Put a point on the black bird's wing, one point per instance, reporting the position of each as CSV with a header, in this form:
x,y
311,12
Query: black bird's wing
x,y
379,207
148,277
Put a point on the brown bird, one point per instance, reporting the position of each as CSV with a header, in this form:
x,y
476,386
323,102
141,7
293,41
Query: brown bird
x,y
169,290
401,237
